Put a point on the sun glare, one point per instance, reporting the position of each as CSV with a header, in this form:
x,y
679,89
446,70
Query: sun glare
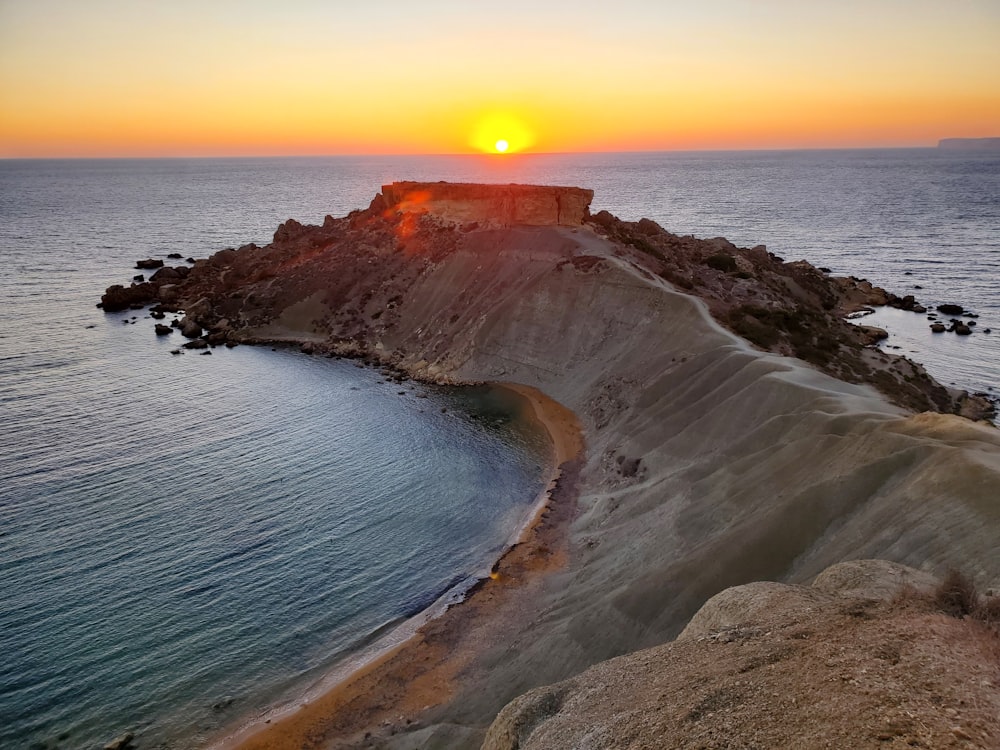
x,y
500,133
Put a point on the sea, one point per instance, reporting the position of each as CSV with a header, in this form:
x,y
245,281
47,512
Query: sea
x,y
189,540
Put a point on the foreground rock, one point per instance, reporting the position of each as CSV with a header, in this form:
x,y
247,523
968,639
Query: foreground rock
x,y
857,660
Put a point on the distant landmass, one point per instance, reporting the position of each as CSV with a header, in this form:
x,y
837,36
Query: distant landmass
x,y
970,144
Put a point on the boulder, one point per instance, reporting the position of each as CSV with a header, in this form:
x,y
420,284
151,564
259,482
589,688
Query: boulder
x,y
196,344
908,302
961,329
871,335
860,292
149,263
167,273
162,330
949,309
199,309
168,293
602,219
190,329
223,258
649,227
118,297
290,230
138,277
174,255
938,328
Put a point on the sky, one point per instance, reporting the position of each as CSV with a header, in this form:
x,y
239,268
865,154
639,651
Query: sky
x,y
85,78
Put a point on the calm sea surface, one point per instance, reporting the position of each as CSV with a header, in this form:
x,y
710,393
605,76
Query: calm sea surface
x,y
187,539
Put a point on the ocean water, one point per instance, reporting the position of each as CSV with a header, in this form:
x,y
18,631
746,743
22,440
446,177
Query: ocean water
x,y
185,540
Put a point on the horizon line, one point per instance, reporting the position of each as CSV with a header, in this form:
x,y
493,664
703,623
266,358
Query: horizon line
x,y
498,156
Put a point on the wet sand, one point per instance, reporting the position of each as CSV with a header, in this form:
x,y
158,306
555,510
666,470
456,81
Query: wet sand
x,y
429,669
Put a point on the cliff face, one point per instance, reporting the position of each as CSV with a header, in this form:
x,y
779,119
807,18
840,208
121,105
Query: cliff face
x,y
503,205
709,463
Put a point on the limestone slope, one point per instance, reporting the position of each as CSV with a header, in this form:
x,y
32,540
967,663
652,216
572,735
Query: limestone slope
x,y
709,464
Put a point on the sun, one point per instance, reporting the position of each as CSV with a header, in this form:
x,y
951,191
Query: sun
x,y
497,132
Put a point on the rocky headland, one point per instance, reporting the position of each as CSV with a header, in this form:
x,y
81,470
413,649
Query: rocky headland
x,y
736,427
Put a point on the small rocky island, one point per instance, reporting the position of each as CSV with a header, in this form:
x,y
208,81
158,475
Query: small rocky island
x,y
736,429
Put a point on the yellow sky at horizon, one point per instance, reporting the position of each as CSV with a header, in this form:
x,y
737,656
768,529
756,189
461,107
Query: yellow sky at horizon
x,y
221,77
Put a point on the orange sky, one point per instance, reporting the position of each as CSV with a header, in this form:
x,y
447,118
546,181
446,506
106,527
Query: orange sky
x,y
235,77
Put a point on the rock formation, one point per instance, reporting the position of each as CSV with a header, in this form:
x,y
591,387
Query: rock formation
x,y
498,205
710,461
861,659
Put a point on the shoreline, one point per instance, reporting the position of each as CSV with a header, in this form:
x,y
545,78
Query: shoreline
x,y
401,681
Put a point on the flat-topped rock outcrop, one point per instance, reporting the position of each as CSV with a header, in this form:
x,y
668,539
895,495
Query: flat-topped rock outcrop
x,y
503,205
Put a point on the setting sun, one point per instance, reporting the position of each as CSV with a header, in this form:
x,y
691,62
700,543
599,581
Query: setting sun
x,y
500,132
106,82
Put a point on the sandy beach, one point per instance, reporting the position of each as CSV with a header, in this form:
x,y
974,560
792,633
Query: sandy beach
x,y
395,688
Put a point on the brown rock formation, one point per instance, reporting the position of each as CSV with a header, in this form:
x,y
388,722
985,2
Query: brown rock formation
x,y
503,205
